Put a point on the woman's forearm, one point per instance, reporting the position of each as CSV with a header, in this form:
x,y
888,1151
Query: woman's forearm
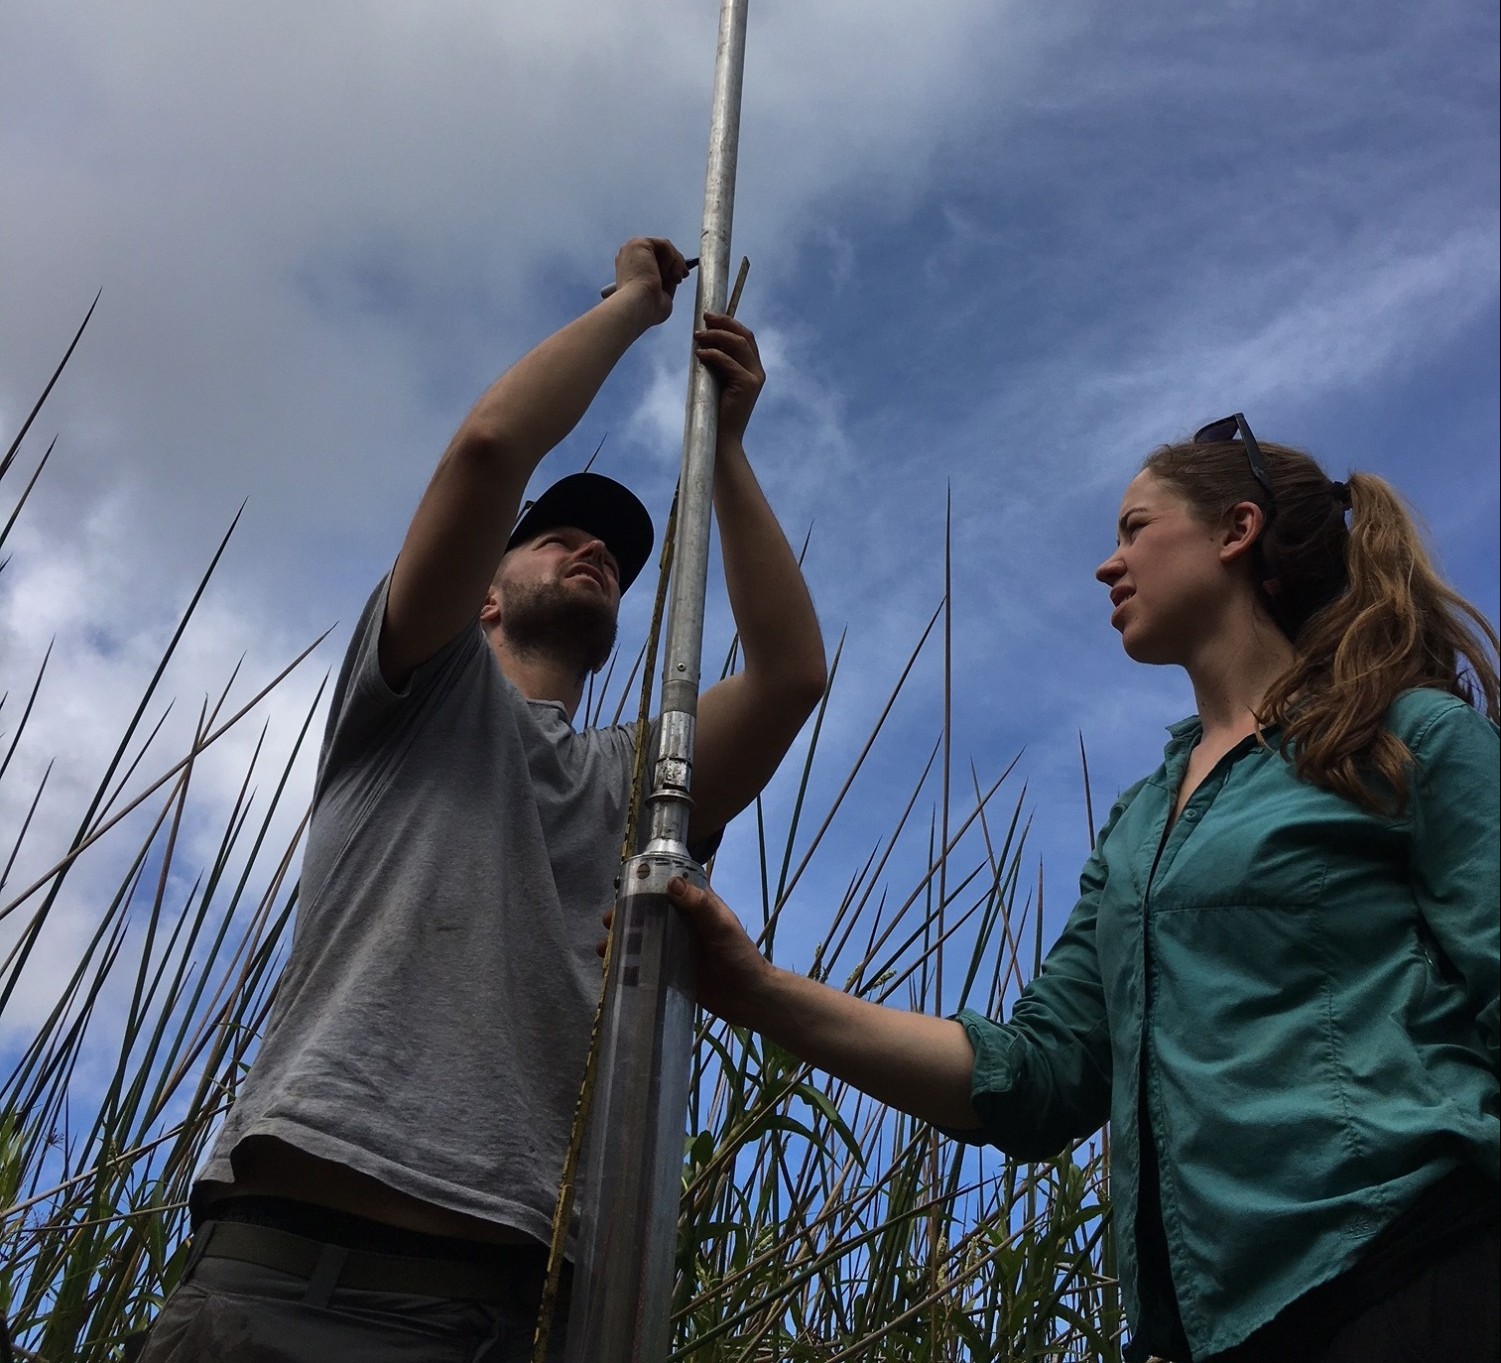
x,y
918,1063
915,1062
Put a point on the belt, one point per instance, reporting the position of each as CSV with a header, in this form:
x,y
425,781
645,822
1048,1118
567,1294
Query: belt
x,y
327,1267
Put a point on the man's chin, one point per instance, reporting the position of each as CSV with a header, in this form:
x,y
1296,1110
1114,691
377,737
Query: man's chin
x,y
590,582
571,622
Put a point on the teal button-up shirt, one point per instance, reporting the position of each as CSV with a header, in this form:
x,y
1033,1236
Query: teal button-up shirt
x,y
1307,991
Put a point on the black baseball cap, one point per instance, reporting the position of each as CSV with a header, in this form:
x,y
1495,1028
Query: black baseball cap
x,y
599,506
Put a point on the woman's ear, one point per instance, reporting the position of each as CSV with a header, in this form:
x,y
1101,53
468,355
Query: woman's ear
x,y
1242,526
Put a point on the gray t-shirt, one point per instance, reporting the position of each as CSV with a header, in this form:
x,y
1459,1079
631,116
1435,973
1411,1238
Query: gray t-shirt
x,y
431,1026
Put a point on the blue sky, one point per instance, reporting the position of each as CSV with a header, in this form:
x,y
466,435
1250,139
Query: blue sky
x,y
999,253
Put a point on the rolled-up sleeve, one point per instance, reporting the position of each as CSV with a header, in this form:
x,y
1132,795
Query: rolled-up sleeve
x,y
1042,1079
1456,854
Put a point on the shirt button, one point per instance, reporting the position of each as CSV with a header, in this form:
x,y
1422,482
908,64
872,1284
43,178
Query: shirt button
x,y
1191,814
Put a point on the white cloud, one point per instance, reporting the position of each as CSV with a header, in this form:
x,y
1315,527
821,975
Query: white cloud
x,y
995,250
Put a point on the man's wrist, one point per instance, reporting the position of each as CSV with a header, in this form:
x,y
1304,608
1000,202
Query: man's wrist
x,y
729,445
639,300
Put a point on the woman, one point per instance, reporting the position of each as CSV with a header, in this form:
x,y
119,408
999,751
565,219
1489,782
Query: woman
x,y
1280,981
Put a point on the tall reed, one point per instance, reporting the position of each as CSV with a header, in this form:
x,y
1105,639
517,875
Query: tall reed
x,y
816,1224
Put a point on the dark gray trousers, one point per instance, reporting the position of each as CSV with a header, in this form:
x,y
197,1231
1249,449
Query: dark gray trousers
x,y
233,1312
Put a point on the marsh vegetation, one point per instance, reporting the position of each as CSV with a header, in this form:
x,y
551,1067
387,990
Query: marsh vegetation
x,y
815,1224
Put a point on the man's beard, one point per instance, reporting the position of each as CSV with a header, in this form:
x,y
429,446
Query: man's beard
x,y
551,620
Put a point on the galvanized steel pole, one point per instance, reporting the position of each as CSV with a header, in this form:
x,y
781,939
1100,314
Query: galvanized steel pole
x,y
632,1171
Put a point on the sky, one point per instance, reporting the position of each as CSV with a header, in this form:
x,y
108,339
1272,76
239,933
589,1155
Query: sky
x,y
999,252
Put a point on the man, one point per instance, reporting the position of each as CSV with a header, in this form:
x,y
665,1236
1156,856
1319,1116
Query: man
x,y
385,1180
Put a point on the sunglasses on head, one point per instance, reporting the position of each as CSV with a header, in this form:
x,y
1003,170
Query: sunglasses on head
x,y
1225,429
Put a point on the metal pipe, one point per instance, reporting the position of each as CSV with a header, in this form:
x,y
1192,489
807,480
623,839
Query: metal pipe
x,y
633,1160
671,774
632,1167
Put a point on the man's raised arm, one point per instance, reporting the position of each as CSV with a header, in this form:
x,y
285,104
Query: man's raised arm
x,y
458,534
747,722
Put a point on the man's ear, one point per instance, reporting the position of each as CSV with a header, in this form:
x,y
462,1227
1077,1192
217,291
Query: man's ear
x,y
1242,526
489,613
